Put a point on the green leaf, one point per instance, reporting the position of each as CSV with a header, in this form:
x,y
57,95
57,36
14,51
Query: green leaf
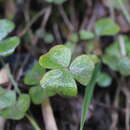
x,y
6,27
124,66
103,79
86,35
58,57
82,68
88,96
7,98
111,61
18,110
113,49
34,75
106,27
38,94
120,64
59,81
8,46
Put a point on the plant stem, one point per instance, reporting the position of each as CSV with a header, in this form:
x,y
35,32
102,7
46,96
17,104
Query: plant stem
x,y
125,12
33,122
122,45
13,82
49,120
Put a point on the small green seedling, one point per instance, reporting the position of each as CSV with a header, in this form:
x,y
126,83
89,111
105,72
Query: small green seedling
x,y
62,77
10,106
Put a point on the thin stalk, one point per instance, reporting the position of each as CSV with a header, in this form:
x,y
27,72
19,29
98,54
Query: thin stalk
x,y
49,120
122,45
33,122
125,12
13,82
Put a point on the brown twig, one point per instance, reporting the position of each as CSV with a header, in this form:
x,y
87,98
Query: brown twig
x,y
34,19
65,18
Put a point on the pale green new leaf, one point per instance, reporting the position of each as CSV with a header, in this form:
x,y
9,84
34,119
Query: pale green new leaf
x,y
103,79
59,81
6,27
58,57
7,98
106,27
34,75
8,46
82,68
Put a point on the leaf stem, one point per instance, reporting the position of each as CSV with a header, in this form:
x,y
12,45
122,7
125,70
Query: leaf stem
x,y
49,120
125,12
33,122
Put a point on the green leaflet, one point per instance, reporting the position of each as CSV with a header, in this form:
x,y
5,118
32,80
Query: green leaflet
x,y
58,57
106,26
34,75
6,27
8,46
7,98
82,68
59,81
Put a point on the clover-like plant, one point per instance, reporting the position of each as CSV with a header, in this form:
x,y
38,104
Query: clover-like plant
x,y
63,74
61,78
11,106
